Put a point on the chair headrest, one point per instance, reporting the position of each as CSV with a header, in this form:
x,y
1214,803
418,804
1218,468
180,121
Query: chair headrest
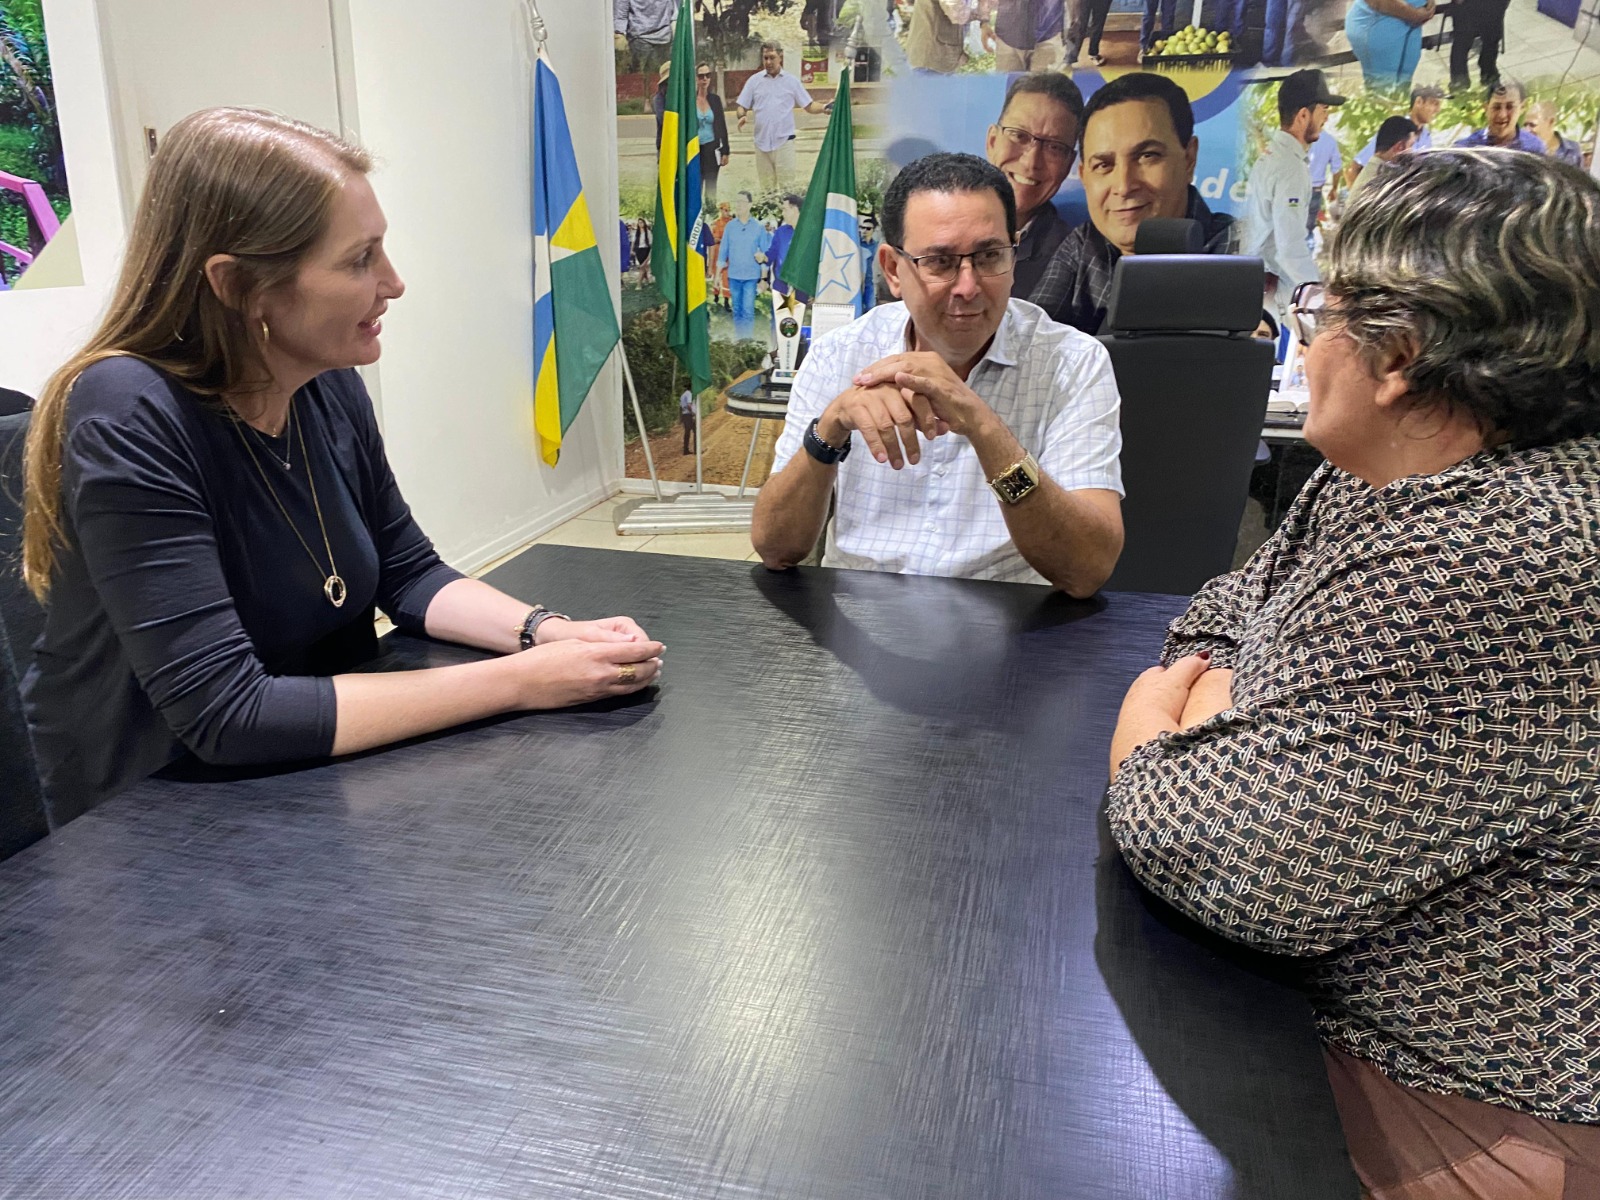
x,y
1169,235
1203,293
14,402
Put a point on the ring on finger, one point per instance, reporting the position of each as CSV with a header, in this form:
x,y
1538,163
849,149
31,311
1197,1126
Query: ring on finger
x,y
627,673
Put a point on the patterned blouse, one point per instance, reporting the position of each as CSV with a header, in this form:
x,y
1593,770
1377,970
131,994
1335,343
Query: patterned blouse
x,y
1405,789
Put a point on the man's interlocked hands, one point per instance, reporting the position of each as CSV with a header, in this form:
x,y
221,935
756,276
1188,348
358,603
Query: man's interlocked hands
x,y
896,399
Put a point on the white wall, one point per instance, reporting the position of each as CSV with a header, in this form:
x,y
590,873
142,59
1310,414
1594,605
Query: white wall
x,y
40,328
445,105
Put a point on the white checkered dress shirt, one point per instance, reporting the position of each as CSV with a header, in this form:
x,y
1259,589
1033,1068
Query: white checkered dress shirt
x,y
1051,385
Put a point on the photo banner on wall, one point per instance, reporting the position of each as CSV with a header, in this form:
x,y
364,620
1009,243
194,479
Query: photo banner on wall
x,y
930,75
765,72
38,248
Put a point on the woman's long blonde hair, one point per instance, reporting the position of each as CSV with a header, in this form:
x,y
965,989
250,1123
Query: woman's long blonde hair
x,y
237,181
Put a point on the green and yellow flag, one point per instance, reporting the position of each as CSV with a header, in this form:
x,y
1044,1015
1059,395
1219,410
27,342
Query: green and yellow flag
x,y
675,256
574,323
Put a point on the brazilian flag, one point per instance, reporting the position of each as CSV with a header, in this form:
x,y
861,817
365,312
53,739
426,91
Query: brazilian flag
x,y
676,259
574,323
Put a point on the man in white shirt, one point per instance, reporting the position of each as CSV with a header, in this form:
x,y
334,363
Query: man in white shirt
x,y
947,397
773,94
1278,203
686,418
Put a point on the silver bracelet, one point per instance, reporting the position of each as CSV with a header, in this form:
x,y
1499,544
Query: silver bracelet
x,y
528,631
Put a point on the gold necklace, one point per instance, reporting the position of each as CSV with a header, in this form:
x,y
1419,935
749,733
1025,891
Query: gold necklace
x,y
287,462
332,587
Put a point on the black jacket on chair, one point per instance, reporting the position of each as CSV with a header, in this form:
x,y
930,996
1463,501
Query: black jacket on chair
x,y
22,813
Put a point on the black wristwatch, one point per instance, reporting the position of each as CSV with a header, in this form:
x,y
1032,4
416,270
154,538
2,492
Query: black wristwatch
x,y
820,450
537,616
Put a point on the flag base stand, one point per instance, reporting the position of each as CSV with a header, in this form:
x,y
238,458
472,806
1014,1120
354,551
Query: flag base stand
x,y
688,512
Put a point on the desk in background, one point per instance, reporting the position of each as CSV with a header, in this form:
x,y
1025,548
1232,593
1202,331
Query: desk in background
x,y
832,915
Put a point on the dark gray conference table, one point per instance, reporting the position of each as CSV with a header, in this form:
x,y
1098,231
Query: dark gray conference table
x,y
829,915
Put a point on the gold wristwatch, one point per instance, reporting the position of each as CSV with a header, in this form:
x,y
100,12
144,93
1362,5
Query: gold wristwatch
x,y
1017,480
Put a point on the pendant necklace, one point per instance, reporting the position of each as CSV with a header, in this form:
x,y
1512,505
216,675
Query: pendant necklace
x,y
287,460
332,585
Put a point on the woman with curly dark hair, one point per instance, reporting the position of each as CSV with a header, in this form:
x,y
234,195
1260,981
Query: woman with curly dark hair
x,y
1377,745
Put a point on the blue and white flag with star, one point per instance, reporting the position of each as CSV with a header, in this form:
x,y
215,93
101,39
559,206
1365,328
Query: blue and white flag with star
x,y
824,259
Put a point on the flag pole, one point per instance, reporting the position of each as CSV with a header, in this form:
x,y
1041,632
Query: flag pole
x,y
536,27
679,268
638,419
699,481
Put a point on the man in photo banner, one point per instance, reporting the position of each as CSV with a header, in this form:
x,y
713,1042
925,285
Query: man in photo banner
x,y
745,242
1034,142
1541,123
1326,165
782,236
1426,101
1139,152
686,419
959,432
1161,16
937,36
1279,193
1035,35
1482,22
1395,136
1502,124
643,31
867,235
773,94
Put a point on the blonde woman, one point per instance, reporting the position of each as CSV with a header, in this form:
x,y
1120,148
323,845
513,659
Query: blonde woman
x,y
209,515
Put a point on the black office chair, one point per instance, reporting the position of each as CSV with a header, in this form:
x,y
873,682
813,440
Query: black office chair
x,y
22,614
22,812
1194,386
12,402
1169,235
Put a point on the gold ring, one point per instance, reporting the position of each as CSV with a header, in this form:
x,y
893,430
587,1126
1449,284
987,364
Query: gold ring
x,y
627,673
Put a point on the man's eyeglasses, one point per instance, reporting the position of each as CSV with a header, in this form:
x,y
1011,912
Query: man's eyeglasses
x,y
1022,139
1307,311
702,75
990,261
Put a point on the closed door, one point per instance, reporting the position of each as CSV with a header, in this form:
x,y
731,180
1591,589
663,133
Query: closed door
x,y
167,58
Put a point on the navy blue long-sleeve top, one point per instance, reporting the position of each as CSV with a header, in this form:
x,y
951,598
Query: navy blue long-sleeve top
x,y
185,616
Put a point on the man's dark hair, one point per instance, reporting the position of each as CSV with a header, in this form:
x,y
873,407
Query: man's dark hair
x,y
747,196
1052,85
944,173
1394,131
1144,85
792,198
1504,86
